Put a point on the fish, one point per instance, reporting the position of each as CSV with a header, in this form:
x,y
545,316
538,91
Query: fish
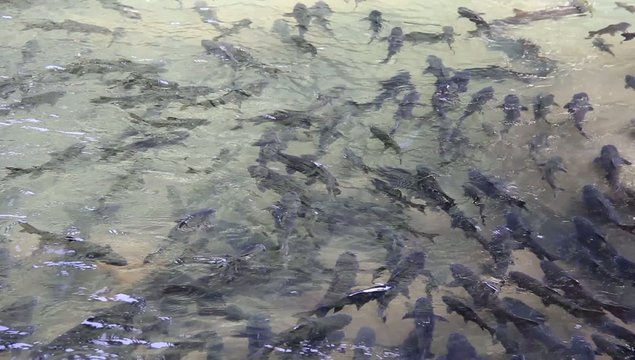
x,y
302,17
418,344
404,273
580,349
312,169
395,43
511,107
355,160
234,29
285,212
541,106
199,220
392,87
208,15
364,343
395,194
494,188
344,275
236,56
625,6
481,292
479,99
601,206
524,17
500,248
549,296
105,66
123,10
558,278
69,26
438,70
472,192
375,17
406,106
417,37
289,118
614,350
628,36
268,179
320,12
303,45
385,138
630,82
602,45
549,170
470,227
448,36
611,162
359,298
610,29
536,145
577,109
258,333
474,17
498,73
58,160
459,348
525,236
31,102
170,122
456,305
76,247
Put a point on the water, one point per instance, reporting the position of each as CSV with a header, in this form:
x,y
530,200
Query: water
x,y
130,200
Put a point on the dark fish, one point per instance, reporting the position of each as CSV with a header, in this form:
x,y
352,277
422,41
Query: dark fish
x,y
58,159
419,342
459,348
541,106
574,7
312,169
417,37
208,14
580,349
578,108
525,236
395,43
628,36
395,194
76,247
601,206
285,212
494,188
481,292
549,170
392,87
438,70
625,6
448,35
497,73
33,101
258,333
105,66
307,330
376,23
456,305
474,194
355,160
610,29
511,107
320,12
429,189
558,278
500,248
303,45
170,122
358,298
599,43
458,220
271,180
474,17
69,26
537,143
344,275
611,162
290,118
615,351
384,137
364,343
404,273
236,56
406,106
630,82
29,50
200,220
550,296
234,29
302,17
479,99
123,10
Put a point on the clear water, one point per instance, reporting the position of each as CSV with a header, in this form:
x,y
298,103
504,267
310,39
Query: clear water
x,y
137,184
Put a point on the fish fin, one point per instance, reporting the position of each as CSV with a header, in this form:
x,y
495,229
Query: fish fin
x,y
453,283
519,12
339,308
440,318
409,315
304,314
28,228
626,162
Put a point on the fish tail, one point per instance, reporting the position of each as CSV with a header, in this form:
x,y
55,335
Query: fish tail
x,y
623,313
28,228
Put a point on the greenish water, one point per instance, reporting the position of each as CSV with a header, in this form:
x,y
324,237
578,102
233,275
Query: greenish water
x,y
208,167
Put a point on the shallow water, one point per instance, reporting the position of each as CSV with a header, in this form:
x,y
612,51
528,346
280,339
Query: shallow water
x,y
209,167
